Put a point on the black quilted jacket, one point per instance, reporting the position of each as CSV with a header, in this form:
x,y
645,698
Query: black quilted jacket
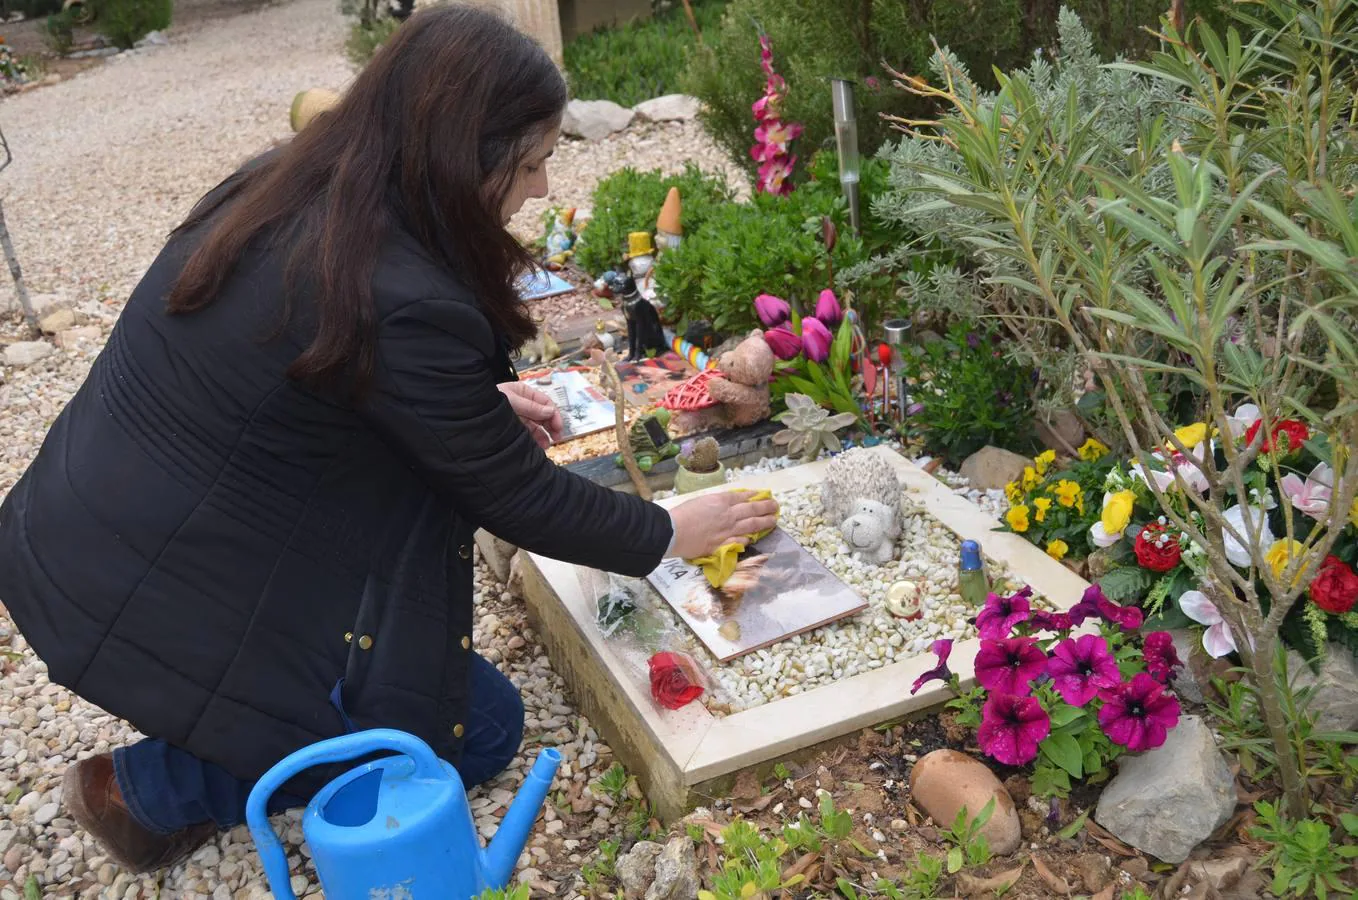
x,y
239,567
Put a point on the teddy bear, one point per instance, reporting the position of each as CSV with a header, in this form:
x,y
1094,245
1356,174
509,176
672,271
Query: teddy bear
x,y
742,395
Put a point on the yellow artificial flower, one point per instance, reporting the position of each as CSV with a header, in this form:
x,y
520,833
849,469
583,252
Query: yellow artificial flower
x,y
1191,435
1117,512
1012,492
1044,460
1280,555
1017,517
1030,478
1092,450
1042,504
1058,549
1067,493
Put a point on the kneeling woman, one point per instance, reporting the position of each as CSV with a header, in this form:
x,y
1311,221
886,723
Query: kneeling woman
x,y
251,528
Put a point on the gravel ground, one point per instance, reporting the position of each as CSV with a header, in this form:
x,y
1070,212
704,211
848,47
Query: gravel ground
x,y
106,164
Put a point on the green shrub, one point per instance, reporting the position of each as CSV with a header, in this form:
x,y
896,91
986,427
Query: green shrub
x,y
364,39
638,60
629,200
816,40
60,32
124,22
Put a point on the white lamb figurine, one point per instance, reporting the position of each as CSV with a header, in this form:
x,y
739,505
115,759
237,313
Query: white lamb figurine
x,y
862,494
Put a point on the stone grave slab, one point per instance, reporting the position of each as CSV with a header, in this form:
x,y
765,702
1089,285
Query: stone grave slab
x,y
683,757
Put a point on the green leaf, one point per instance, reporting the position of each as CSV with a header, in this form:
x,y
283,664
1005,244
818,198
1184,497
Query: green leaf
x,y
1074,827
1126,583
1065,714
31,889
954,860
1064,751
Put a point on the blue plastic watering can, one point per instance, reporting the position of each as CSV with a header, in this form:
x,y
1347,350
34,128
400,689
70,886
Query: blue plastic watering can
x,y
398,828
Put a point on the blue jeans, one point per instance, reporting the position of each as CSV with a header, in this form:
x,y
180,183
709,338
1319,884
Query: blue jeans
x,y
167,789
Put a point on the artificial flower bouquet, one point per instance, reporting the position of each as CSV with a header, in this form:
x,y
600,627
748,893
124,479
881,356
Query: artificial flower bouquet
x,y
1144,560
1068,705
813,351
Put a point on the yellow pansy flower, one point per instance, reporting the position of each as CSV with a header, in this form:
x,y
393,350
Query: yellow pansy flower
x,y
1353,513
1042,504
1017,517
1191,435
1030,478
1067,493
1044,460
1058,549
1092,450
1117,512
1281,554
1012,492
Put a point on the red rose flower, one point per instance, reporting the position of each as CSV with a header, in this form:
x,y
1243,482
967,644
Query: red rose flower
x,y
1297,434
1335,589
1156,549
675,681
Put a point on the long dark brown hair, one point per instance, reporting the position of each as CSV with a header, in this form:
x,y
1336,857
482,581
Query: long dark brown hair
x,y
429,137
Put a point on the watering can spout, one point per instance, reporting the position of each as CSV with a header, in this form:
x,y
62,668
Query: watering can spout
x,y
517,824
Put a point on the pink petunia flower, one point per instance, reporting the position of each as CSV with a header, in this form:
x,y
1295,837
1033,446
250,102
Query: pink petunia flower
x,y
1138,714
1128,618
997,620
1160,655
1011,728
941,648
1009,666
1081,667
1045,621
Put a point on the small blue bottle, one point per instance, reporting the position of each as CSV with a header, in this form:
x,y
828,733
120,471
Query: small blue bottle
x,y
972,582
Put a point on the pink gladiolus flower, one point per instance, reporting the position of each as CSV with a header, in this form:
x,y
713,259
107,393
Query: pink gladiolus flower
x,y
772,311
1160,655
1011,728
1138,714
828,309
774,174
1009,666
942,649
997,620
816,339
784,344
1081,667
1311,496
775,135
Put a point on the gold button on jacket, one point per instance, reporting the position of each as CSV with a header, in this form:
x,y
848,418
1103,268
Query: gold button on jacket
x,y
365,642
458,730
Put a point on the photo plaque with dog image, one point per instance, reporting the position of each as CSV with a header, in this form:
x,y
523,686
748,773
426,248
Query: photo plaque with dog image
x,y
778,590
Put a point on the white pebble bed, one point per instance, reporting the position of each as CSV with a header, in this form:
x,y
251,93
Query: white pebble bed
x,y
926,555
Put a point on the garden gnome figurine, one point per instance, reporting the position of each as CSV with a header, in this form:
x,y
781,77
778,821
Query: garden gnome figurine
x,y
561,238
606,340
669,228
308,104
640,255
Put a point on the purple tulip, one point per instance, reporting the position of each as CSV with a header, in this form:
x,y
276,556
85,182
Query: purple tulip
x,y
783,343
772,311
828,309
816,339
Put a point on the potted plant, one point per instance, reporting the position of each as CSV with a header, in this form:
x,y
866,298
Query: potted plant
x,y
699,466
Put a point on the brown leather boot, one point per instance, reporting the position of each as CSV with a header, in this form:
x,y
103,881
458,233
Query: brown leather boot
x,y
90,794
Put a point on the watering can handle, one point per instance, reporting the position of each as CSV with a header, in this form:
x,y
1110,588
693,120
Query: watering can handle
x,y
334,750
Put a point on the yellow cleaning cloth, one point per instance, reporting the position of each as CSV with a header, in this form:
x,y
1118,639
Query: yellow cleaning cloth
x,y
722,564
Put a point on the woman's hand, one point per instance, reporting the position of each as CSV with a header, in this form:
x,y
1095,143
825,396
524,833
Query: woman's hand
x,y
536,411
703,524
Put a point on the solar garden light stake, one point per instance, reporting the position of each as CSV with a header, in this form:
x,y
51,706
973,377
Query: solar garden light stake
x,y
846,144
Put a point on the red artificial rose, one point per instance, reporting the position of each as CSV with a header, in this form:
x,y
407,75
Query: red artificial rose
x,y
675,681
1297,434
1335,589
1156,549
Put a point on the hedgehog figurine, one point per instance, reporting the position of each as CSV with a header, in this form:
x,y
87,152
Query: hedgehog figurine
x,y
861,496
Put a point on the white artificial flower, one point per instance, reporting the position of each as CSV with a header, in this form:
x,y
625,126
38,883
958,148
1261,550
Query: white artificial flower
x,y
1245,416
1217,640
1236,551
1101,538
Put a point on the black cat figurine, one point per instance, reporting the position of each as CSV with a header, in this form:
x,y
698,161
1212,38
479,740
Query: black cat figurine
x,y
645,335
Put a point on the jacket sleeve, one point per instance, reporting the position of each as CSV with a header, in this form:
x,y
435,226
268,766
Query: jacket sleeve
x,y
434,398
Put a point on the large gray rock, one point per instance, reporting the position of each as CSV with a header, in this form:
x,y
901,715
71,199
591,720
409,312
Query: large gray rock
x,y
1335,698
669,108
594,120
1186,646
636,868
991,468
1166,801
26,353
676,872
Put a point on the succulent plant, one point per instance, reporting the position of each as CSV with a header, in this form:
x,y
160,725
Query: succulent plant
x,y
700,455
809,427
